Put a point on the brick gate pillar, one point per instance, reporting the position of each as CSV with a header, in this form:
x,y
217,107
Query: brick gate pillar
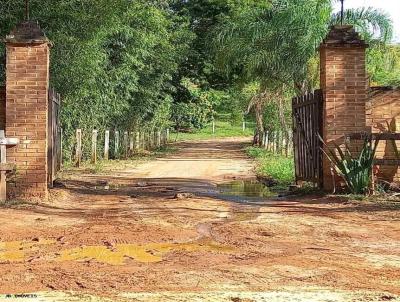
x,y
27,81
344,84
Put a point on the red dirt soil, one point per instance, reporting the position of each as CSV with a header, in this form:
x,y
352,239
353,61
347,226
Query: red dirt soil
x,y
122,236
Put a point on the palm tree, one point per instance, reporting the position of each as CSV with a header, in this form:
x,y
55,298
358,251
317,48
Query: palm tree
x,y
369,22
273,45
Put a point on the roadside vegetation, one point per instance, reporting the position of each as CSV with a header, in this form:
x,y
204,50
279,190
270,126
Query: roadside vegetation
x,y
146,65
222,129
273,167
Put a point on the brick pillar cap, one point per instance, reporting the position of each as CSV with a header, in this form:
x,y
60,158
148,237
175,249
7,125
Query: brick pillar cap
x,y
27,32
343,36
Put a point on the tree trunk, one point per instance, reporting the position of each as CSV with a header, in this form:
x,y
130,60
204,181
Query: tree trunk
x,y
259,111
282,119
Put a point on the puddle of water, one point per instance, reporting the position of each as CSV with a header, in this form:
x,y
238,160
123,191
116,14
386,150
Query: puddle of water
x,y
15,251
246,188
148,253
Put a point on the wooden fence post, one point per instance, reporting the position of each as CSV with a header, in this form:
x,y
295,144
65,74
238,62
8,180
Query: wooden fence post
x,y
158,139
284,145
61,149
167,135
126,144
244,125
290,143
107,145
151,140
78,151
164,137
272,144
213,127
277,147
137,141
143,140
116,144
94,146
131,143
266,140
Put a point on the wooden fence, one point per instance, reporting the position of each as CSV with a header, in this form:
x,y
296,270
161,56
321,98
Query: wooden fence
x,y
277,142
117,144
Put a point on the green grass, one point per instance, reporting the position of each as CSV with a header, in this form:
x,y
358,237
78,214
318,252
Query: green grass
x,y
269,165
222,129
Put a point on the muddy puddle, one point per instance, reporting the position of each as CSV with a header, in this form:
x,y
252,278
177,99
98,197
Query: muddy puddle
x,y
147,253
246,190
18,251
15,251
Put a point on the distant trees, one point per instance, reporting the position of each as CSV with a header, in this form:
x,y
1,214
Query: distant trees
x,y
276,46
122,63
113,61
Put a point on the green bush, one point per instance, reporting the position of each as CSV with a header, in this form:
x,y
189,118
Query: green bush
x,y
356,171
275,166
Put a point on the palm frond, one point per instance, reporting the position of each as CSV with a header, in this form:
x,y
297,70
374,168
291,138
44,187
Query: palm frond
x,y
368,21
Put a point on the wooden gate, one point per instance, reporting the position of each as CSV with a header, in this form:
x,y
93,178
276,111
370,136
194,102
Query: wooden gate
x,y
54,152
307,126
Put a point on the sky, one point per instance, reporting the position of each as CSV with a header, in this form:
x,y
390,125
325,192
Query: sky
x,y
390,6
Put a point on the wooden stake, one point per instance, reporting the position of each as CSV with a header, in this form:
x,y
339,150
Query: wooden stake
x,y
126,144
78,153
158,139
137,141
107,145
143,141
266,140
61,150
116,144
94,146
131,143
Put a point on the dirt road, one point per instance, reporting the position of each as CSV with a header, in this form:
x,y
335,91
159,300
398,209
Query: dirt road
x,y
129,235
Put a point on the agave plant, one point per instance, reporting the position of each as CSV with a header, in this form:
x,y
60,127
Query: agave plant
x,y
356,171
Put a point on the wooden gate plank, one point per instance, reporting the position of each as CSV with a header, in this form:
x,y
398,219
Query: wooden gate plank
x,y
306,111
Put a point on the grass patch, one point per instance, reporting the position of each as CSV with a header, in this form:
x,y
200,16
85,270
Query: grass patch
x,y
222,129
269,165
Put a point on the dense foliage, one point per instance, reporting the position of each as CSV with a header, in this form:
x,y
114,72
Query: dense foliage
x,y
275,45
112,61
147,64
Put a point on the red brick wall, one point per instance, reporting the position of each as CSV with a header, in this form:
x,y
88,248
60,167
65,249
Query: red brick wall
x,y
344,84
26,118
2,107
383,107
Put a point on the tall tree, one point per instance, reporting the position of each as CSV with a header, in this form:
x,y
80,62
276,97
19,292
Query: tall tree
x,y
274,45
